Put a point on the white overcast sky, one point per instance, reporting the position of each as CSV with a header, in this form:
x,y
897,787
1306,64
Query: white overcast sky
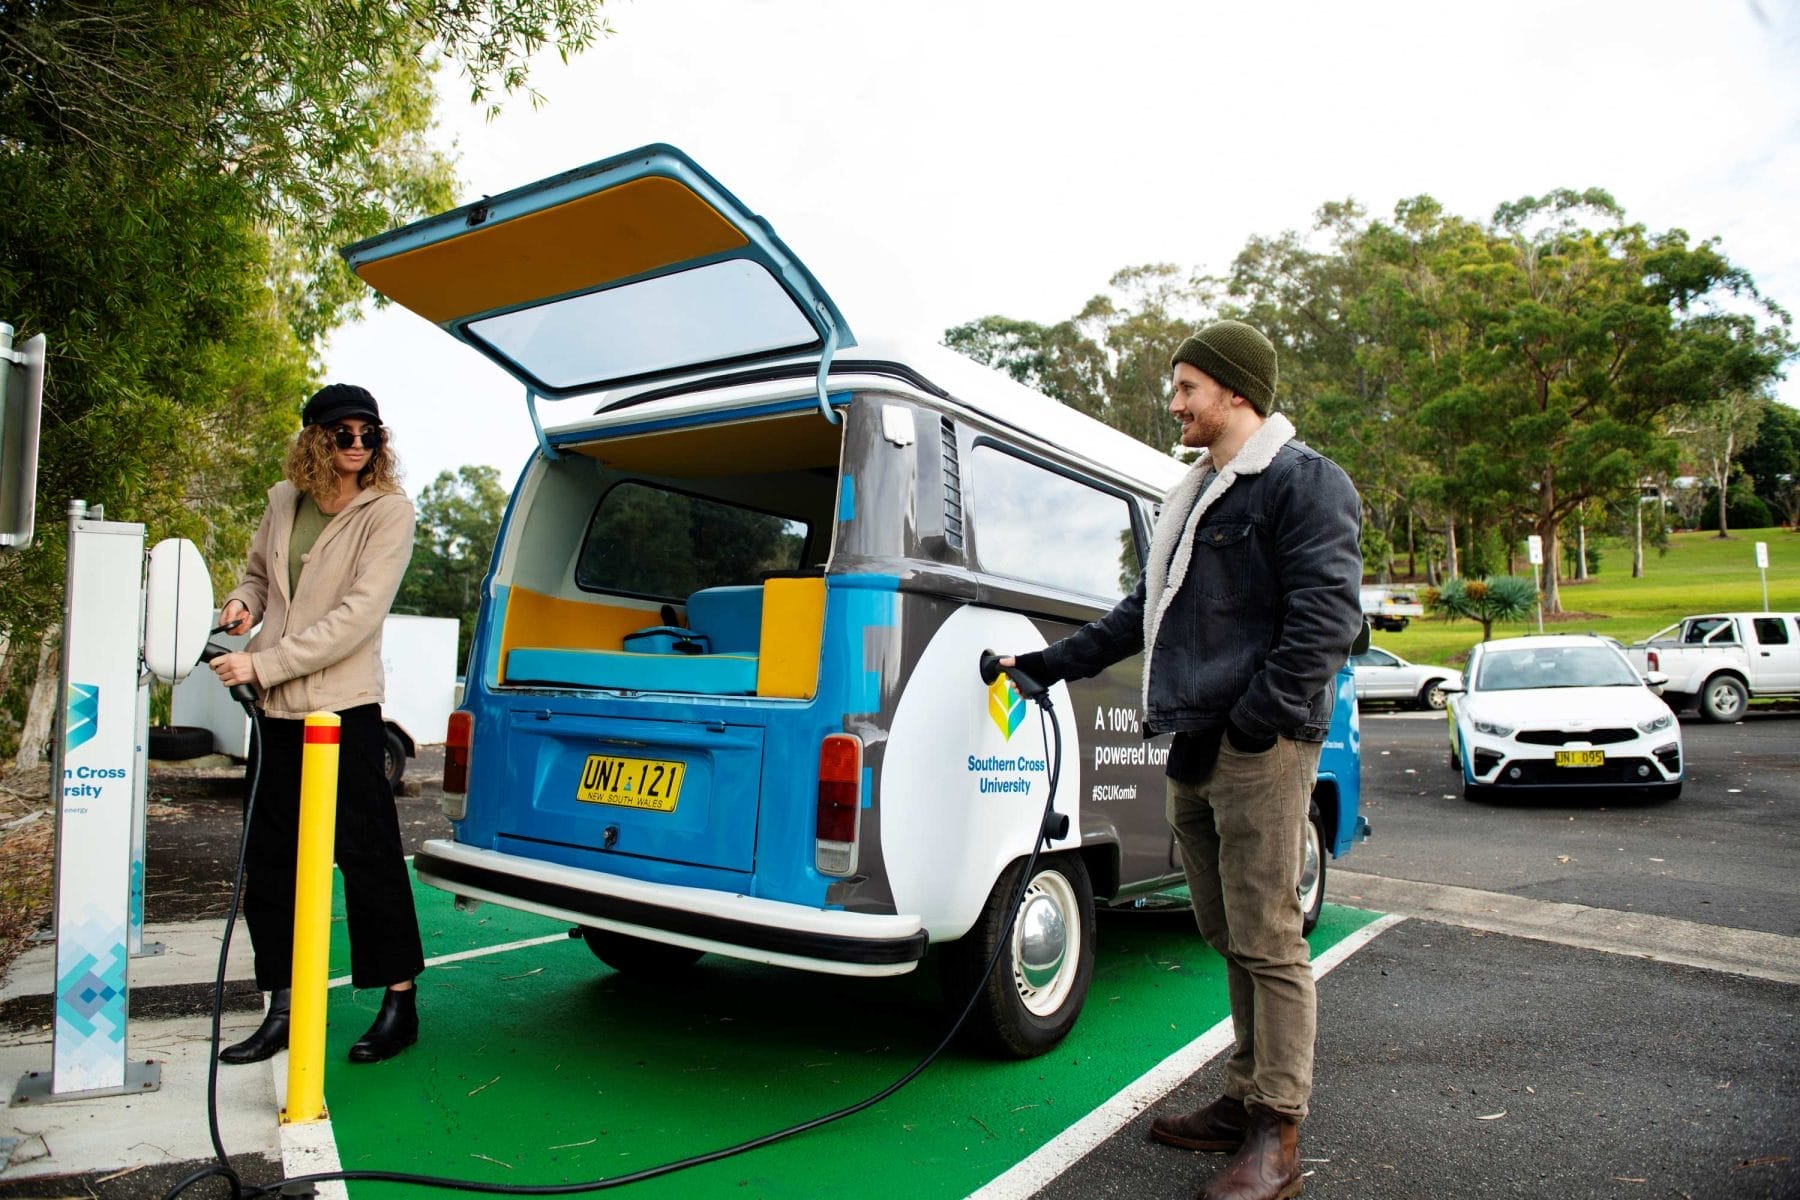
x,y
934,162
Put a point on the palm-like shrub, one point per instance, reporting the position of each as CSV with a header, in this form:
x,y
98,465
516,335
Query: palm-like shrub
x,y
1496,598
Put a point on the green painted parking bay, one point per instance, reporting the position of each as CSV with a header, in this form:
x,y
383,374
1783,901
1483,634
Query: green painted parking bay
x,y
537,1064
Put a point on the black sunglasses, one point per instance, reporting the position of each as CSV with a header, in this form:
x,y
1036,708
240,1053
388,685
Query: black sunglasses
x,y
371,437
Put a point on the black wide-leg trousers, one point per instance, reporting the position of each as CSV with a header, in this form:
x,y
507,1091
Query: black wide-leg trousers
x,y
384,930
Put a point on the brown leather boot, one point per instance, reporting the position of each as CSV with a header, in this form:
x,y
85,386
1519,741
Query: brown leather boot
x,y
1218,1127
1268,1166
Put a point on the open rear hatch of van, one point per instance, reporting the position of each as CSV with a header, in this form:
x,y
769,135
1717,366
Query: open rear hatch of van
x,y
636,268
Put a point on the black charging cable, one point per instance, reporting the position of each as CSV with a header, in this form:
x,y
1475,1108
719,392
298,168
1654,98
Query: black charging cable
x,y
245,695
1051,825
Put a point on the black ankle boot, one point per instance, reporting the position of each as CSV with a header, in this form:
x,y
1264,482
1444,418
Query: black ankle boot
x,y
396,1027
271,1036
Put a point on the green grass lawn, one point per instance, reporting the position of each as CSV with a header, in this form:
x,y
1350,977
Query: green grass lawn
x,y
1699,573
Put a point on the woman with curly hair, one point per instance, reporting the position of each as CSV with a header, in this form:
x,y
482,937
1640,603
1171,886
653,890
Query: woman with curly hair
x,y
323,569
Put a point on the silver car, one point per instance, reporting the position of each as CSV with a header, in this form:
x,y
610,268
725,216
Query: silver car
x,y
1383,675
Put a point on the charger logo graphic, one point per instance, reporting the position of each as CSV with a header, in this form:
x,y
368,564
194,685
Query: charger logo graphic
x,y
83,717
1005,705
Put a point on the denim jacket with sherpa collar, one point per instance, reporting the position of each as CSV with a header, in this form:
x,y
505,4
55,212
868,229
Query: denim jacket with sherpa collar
x,y
1250,597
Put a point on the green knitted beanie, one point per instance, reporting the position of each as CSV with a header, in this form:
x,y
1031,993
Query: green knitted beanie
x,y
1235,355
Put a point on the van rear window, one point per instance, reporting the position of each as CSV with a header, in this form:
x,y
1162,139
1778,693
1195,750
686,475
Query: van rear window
x,y
646,540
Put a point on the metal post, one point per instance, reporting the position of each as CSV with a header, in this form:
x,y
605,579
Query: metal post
x,y
312,919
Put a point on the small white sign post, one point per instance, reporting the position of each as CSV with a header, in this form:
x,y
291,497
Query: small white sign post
x,y
1762,565
1534,547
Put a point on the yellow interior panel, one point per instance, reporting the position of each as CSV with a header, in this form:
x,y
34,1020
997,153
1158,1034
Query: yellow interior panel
x,y
552,623
787,443
793,626
576,246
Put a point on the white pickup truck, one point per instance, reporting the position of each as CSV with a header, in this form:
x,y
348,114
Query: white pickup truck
x,y
1724,659
1389,609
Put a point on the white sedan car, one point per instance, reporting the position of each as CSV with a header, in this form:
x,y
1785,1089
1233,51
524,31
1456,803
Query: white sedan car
x,y
1384,675
1561,712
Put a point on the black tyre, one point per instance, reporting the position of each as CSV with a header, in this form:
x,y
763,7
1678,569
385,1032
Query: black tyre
x,y
1031,1000
1432,696
178,743
1477,793
393,760
636,956
1677,701
1312,871
1666,791
1723,699
1455,762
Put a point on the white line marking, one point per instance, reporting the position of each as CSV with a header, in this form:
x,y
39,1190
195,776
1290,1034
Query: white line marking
x,y
1037,1170
479,952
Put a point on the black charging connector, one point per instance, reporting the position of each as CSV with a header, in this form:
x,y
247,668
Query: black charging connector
x,y
1028,687
243,693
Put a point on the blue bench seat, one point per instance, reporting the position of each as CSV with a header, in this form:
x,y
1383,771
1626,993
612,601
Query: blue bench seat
x,y
708,674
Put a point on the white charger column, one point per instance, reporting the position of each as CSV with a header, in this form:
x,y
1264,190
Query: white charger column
x,y
93,781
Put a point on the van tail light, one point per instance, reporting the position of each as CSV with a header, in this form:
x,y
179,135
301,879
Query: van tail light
x,y
840,803
456,753
1654,663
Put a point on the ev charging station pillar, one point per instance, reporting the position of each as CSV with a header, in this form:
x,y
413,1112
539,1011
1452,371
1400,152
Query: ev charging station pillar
x,y
92,774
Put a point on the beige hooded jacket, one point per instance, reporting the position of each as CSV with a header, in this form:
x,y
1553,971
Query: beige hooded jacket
x,y
319,650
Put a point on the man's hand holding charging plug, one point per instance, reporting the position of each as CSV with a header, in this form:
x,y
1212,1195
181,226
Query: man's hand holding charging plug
x,y
235,667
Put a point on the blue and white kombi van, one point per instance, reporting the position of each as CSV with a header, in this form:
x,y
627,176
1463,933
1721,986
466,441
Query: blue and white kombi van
x,y
723,695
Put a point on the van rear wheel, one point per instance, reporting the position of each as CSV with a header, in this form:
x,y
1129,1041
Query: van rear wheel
x,y
1312,871
638,956
1031,1000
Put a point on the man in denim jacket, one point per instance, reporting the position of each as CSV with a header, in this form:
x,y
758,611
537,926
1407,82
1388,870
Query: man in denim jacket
x,y
1249,604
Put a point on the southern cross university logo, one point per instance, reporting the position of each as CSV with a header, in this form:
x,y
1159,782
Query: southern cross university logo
x,y
1005,705
83,717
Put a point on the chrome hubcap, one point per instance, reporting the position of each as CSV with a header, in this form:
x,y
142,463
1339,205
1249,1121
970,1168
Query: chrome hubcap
x,y
1045,943
1309,866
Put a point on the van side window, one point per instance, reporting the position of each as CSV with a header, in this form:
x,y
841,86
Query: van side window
x,y
653,541
1037,524
1771,631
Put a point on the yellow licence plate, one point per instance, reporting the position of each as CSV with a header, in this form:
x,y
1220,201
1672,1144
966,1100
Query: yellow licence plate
x,y
1581,758
653,783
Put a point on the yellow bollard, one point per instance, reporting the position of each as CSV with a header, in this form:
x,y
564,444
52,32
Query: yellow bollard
x,y
312,919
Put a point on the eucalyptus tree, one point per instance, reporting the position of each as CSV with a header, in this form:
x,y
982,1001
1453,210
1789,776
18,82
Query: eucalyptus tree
x,y
1315,294
1714,432
1589,333
453,543
177,178
1773,461
1111,359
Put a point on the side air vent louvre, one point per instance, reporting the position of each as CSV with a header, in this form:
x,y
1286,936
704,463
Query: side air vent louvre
x,y
953,504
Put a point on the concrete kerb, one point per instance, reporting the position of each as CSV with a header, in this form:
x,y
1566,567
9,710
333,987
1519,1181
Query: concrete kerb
x,y
1640,935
